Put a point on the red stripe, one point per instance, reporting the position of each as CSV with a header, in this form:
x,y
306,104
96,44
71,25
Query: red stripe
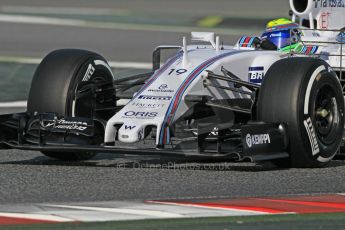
x,y
246,41
13,220
309,48
242,208
297,204
322,206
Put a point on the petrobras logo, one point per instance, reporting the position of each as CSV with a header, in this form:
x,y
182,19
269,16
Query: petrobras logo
x,y
312,137
329,3
148,105
163,88
149,97
257,139
256,74
141,115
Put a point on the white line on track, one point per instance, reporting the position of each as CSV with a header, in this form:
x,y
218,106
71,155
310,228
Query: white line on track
x,y
142,212
113,64
13,104
43,217
63,10
119,26
208,207
130,65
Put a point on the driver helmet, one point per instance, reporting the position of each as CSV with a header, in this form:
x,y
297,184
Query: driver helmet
x,y
280,32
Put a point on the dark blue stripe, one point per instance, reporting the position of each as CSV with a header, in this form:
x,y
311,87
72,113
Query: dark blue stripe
x,y
257,68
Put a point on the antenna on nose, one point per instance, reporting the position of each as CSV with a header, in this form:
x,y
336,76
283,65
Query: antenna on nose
x,y
185,60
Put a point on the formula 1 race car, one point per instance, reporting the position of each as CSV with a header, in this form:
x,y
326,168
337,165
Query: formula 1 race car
x,y
276,97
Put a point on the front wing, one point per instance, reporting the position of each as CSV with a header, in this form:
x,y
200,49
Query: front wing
x,y
52,133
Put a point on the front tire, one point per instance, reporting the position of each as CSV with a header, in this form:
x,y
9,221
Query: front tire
x,y
304,93
54,85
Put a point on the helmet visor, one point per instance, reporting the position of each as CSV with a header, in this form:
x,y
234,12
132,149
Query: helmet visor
x,y
279,38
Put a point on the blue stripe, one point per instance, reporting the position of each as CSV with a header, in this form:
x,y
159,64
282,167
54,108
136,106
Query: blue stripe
x,y
183,88
315,48
242,40
304,50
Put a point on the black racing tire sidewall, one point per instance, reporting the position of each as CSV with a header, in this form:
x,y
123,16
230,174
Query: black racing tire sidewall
x,y
326,152
54,84
281,100
101,74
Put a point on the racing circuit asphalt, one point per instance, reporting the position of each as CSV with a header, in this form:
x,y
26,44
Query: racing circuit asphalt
x,y
29,177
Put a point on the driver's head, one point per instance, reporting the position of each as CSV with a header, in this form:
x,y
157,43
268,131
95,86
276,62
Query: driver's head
x,y
279,32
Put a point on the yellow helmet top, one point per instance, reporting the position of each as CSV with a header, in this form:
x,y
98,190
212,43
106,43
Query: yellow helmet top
x,y
280,24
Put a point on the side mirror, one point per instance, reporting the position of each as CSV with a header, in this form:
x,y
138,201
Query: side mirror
x,y
157,55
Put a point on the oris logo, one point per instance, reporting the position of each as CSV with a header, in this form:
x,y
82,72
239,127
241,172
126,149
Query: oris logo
x,y
257,139
141,114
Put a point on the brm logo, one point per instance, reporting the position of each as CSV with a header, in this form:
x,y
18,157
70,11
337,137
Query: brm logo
x,y
89,72
147,97
256,74
257,139
129,127
312,137
141,114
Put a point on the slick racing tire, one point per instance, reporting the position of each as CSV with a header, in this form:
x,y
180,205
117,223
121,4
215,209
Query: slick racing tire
x,y
305,94
55,82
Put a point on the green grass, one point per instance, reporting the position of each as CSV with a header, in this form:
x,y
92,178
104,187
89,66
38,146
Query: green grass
x,y
15,81
266,222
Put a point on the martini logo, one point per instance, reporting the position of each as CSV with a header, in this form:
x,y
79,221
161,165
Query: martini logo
x,y
67,125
